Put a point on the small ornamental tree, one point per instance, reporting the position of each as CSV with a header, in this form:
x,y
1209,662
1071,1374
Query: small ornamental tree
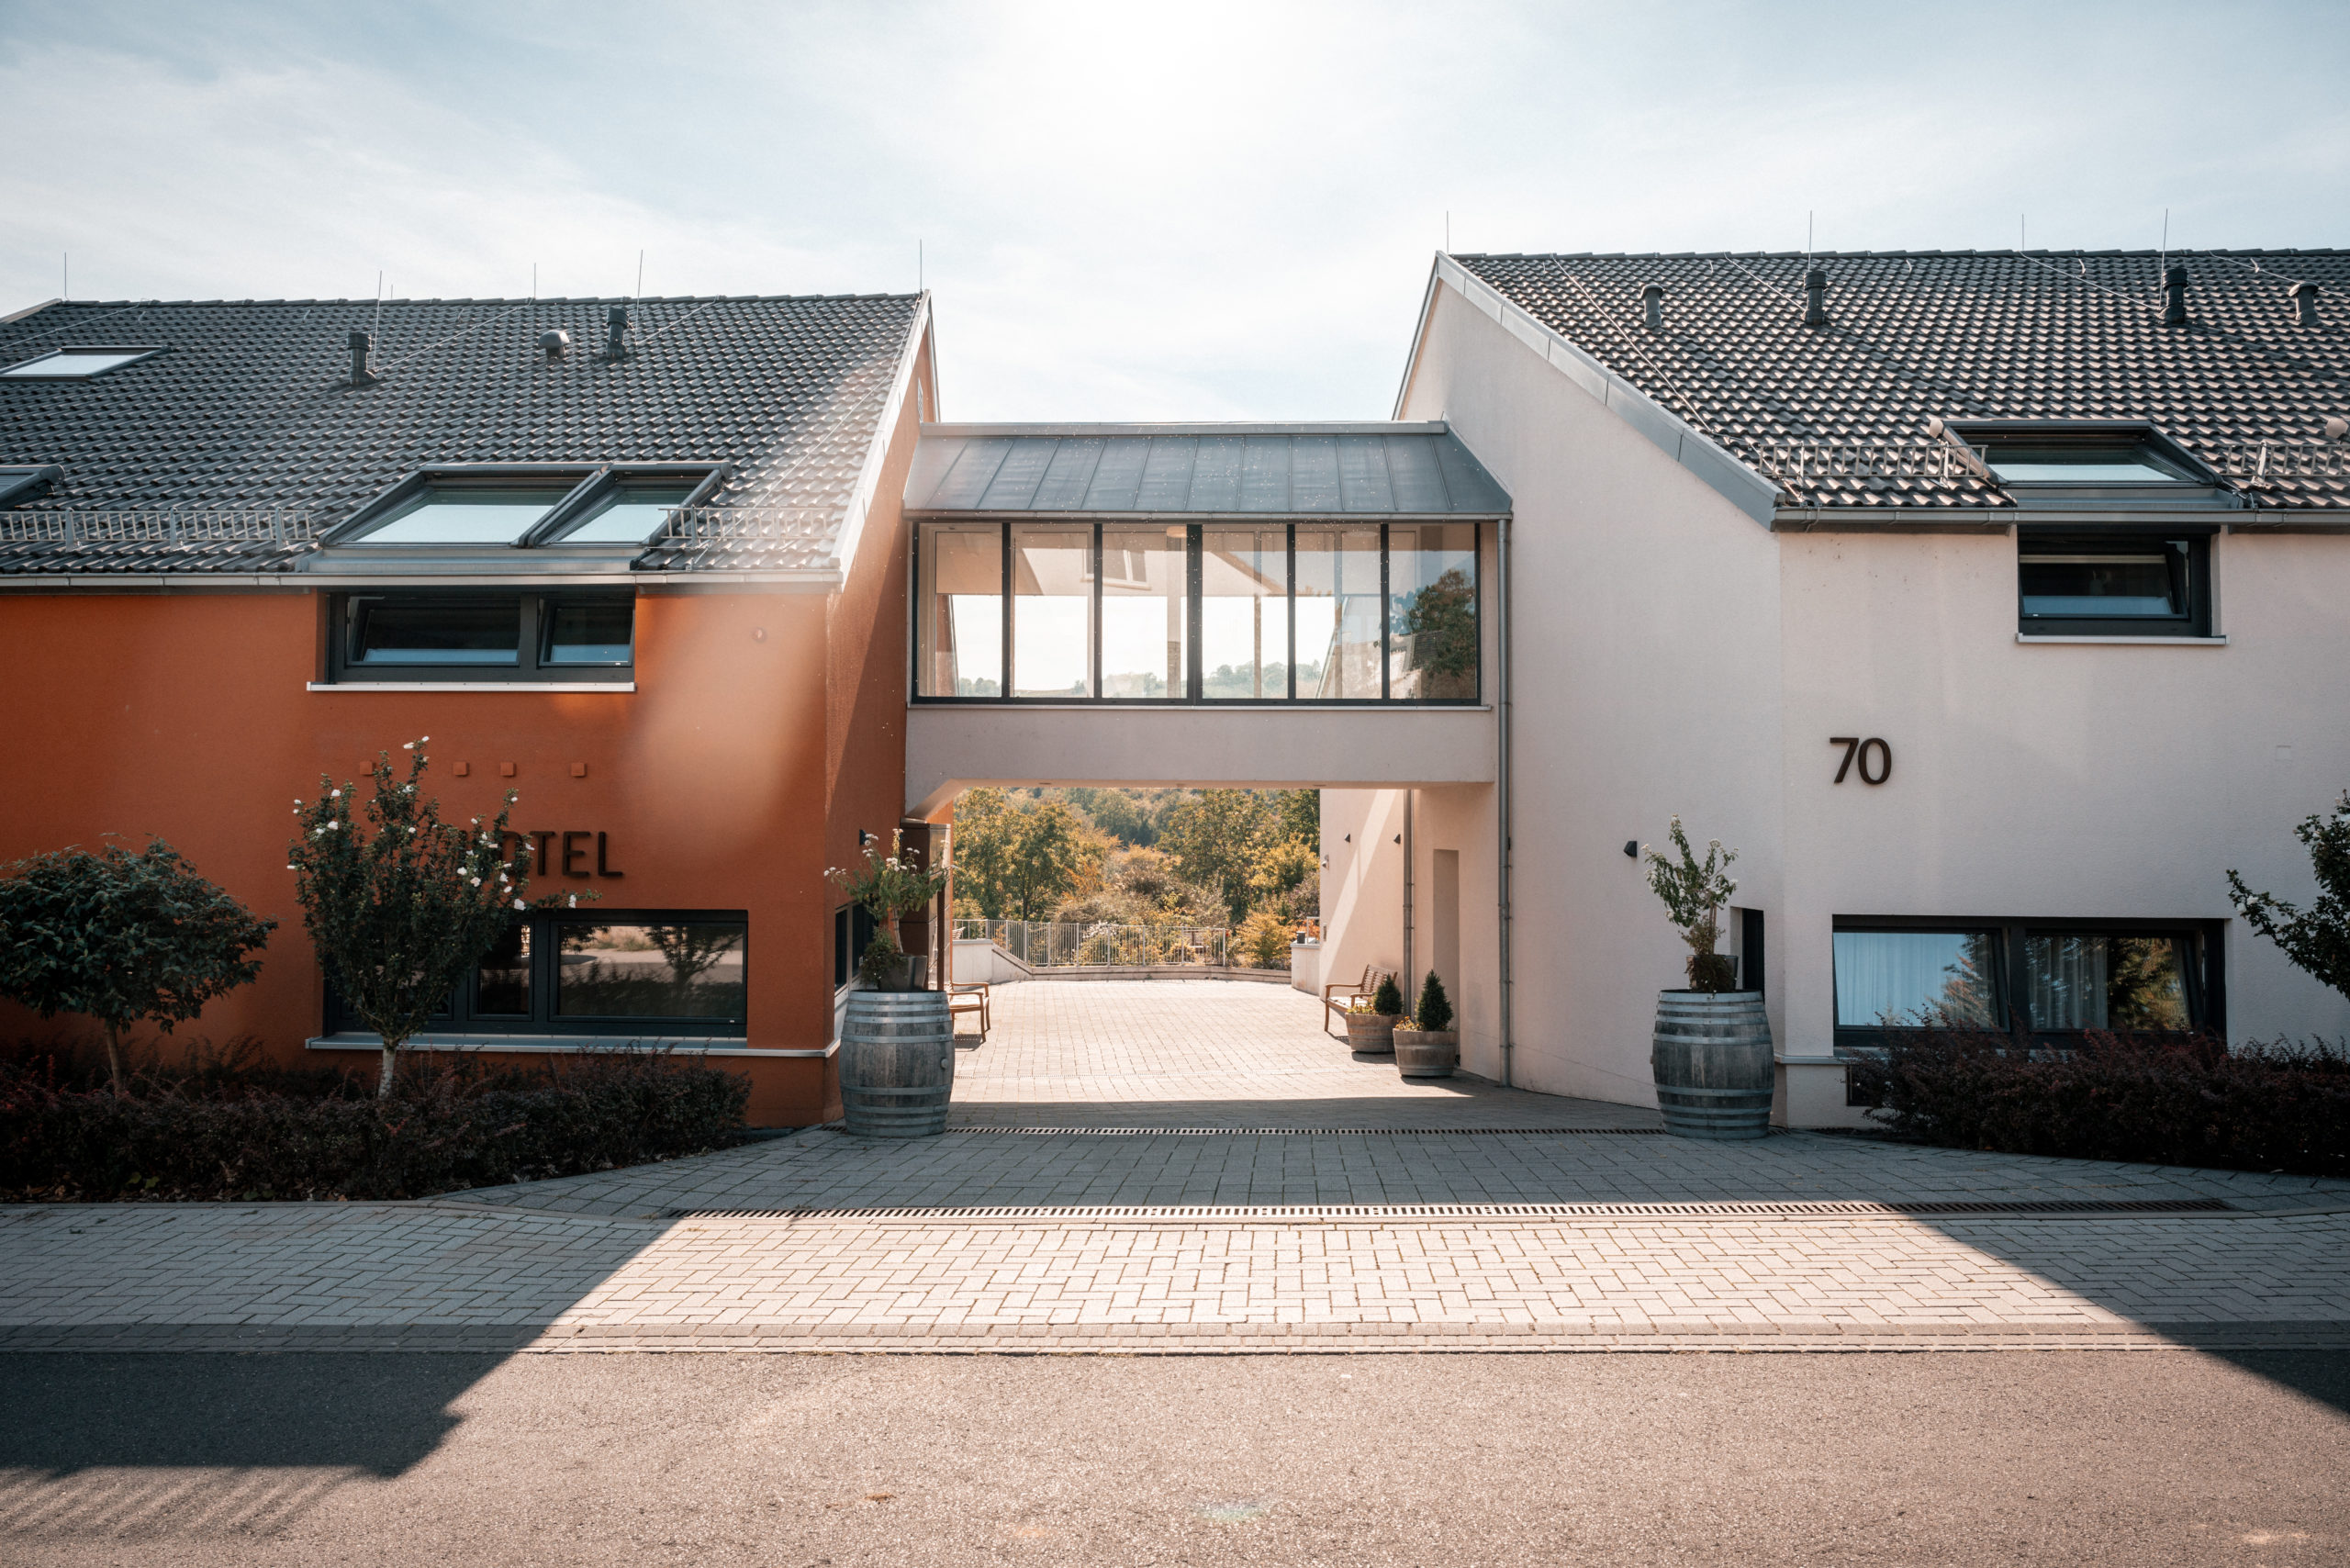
x,y
1693,892
122,935
2318,939
889,886
1433,1011
400,910
1388,1000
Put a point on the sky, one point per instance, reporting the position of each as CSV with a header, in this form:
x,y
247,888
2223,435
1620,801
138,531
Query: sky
x,y
1203,211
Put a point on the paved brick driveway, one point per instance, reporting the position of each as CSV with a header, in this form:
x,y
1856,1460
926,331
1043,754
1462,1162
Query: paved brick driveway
x,y
1574,1227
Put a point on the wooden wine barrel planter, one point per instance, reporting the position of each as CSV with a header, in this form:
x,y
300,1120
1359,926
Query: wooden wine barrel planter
x,y
1370,1034
1427,1053
897,1063
1712,1061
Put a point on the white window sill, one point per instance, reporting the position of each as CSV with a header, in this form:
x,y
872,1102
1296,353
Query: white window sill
x,y
2134,642
471,686
533,1045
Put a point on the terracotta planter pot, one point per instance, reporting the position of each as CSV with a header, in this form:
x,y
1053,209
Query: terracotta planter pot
x,y
1427,1053
1370,1034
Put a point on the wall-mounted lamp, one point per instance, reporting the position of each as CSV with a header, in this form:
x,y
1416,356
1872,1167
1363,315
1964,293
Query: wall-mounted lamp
x,y
1632,849
1399,838
1350,839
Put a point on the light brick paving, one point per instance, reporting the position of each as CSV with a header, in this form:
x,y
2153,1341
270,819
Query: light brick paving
x,y
589,1262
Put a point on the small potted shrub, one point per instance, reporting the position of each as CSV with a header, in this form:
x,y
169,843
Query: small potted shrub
x,y
1426,1045
1370,1021
1711,1053
891,888
896,1053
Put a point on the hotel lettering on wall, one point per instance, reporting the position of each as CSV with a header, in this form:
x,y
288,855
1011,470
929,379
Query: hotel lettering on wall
x,y
564,854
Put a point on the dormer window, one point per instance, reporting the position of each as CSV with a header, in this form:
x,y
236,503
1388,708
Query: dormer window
x,y
2090,463
626,514
467,514
518,518
2030,462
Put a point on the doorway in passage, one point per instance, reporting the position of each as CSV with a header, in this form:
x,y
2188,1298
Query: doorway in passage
x,y
1445,917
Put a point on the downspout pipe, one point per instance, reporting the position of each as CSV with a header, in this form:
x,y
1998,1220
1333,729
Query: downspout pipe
x,y
1410,915
1501,787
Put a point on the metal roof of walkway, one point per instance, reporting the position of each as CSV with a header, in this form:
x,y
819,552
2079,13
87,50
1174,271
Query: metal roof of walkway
x,y
1372,469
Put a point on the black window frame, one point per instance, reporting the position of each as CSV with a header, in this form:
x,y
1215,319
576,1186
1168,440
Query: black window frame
x,y
580,490
853,929
2197,553
2205,975
460,1013
1196,671
533,624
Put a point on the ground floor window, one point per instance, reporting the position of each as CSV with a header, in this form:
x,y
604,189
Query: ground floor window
x,y
2043,978
649,971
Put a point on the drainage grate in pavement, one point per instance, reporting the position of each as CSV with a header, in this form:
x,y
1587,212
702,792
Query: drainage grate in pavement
x,y
1187,1213
1302,1132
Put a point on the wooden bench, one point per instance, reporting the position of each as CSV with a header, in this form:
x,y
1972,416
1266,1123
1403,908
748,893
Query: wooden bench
x,y
969,996
1337,996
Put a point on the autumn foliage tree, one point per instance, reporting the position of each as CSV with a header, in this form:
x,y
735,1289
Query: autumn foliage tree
x,y
401,905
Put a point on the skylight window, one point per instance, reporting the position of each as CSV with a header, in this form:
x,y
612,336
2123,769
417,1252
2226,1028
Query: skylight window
x,y
455,515
633,514
2082,466
75,364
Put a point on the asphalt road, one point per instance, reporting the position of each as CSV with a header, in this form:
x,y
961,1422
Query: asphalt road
x,y
2143,1458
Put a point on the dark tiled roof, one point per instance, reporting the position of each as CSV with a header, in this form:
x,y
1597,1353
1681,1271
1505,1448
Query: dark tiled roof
x,y
247,425
1911,335
1229,471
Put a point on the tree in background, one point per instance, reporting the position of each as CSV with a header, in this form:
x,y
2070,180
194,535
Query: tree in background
x,y
122,935
400,909
1298,812
1216,837
2316,940
1015,862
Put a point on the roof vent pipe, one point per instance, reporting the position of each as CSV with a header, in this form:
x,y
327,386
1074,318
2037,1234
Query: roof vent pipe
x,y
363,359
556,342
1814,297
616,331
1652,305
2174,295
2304,299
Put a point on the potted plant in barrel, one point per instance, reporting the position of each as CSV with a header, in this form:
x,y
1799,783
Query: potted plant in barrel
x,y
1370,1020
897,1055
1426,1045
1711,1053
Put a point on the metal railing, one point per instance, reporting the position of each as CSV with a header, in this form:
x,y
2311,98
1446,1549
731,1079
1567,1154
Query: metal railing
x,y
694,525
1804,462
265,525
2257,461
1069,944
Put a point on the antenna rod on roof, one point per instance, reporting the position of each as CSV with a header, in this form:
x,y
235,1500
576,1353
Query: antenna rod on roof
x,y
65,274
1807,235
377,325
640,275
918,267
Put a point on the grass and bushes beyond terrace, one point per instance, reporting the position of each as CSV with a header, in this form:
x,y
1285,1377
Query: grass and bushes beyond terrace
x,y
223,1127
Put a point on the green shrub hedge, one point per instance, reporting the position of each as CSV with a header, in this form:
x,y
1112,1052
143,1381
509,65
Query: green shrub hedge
x,y
222,1129
2158,1099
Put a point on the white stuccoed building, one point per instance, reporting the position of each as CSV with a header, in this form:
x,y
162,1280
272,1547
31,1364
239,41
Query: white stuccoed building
x,y
1993,606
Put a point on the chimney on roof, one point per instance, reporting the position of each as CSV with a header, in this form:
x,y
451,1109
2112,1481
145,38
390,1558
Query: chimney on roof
x,y
616,332
2174,295
1814,297
363,359
556,342
1652,305
2304,299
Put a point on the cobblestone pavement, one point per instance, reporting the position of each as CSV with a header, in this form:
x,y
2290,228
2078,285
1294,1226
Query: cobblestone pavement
x,y
1218,1054
1468,1217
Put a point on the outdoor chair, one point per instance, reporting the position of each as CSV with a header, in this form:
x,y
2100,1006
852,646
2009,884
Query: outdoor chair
x,y
969,996
1337,995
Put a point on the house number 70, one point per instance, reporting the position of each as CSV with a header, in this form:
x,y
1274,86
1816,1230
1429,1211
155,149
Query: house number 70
x,y
1856,747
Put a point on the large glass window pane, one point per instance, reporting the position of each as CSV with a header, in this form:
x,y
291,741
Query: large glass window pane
x,y
503,983
2149,580
465,517
1432,601
437,632
1052,611
1146,612
960,632
1244,612
651,970
1339,612
2089,982
1946,978
589,631
632,515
